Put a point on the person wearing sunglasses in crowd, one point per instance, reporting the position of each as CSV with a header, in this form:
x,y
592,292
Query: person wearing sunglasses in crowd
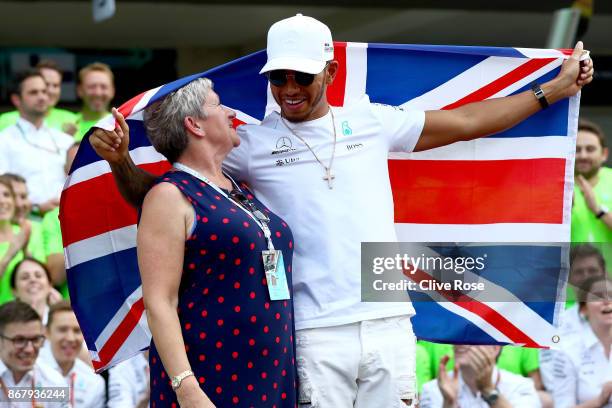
x,y
298,162
21,337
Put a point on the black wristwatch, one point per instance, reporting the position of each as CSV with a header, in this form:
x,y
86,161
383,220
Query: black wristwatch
x,y
603,210
491,397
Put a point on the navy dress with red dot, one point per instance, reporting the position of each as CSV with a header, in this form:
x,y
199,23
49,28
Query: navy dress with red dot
x,y
240,344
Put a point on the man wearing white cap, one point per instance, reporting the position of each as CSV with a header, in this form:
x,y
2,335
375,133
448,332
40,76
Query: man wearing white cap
x,y
333,188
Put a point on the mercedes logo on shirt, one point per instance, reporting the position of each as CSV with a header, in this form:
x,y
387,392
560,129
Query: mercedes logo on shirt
x,y
283,143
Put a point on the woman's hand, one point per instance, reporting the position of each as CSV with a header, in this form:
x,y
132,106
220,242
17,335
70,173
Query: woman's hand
x,y
19,241
54,296
190,395
449,386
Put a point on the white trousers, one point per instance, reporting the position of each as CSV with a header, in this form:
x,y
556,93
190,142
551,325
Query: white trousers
x,y
368,364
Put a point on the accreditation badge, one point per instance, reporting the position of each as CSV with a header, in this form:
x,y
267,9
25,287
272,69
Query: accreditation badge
x,y
274,267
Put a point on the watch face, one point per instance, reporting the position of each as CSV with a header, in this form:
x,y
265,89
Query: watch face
x,y
491,398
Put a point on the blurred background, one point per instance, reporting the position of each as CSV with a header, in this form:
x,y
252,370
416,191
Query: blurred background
x,y
148,43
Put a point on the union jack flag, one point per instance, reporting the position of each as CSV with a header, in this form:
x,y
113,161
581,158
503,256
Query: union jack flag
x,y
515,186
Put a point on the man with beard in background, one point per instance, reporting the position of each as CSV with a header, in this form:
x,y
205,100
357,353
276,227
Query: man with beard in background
x,y
591,216
96,88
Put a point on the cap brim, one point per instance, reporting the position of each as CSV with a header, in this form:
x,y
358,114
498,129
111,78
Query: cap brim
x,y
295,64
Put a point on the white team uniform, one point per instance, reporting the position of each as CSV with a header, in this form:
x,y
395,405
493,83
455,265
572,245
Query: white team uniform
x,y
41,378
36,154
128,382
581,368
329,225
518,390
88,389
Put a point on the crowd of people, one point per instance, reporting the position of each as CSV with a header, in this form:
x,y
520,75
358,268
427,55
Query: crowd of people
x,y
267,336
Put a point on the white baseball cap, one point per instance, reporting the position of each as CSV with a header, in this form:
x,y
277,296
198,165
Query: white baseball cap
x,y
299,43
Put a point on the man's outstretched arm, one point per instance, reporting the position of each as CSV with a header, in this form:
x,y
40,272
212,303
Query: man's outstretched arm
x,y
484,118
112,146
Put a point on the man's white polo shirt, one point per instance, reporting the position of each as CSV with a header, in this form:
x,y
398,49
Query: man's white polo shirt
x,y
40,377
329,225
518,390
88,389
128,382
38,155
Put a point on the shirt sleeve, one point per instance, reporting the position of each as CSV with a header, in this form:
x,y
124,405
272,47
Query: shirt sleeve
x,y
120,394
99,391
4,151
547,369
564,375
529,360
52,233
402,128
237,161
431,397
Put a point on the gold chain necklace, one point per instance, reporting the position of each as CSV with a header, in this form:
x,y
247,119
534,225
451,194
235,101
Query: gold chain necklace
x,y
329,177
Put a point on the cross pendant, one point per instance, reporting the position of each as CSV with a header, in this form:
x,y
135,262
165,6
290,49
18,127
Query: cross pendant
x,y
329,178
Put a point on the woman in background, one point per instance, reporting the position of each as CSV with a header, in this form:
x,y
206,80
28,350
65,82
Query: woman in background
x,y
583,371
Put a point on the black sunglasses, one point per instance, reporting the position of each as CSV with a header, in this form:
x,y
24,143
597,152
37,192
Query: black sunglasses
x,y
279,77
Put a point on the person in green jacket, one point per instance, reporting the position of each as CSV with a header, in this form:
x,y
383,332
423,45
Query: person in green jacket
x,y
56,118
97,89
592,201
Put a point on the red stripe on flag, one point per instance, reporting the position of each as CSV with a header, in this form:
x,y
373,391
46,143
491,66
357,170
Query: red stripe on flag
x,y
120,335
502,82
474,192
95,206
237,122
127,108
335,92
485,312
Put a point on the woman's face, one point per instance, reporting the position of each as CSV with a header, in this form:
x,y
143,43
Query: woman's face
x,y
7,204
31,283
219,122
598,307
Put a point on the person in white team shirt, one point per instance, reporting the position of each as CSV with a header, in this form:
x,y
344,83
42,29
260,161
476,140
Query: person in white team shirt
x,y
21,337
325,171
30,148
582,368
586,262
65,342
128,383
476,382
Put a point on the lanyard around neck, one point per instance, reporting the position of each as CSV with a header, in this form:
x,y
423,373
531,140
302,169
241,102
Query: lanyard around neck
x,y
249,210
22,132
6,391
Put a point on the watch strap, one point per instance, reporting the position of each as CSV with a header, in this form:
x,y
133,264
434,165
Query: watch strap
x,y
178,379
490,397
602,211
539,94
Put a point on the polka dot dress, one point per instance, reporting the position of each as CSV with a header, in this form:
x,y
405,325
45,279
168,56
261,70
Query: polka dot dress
x,y
240,344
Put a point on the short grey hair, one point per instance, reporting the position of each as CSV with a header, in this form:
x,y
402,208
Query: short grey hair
x,y
164,119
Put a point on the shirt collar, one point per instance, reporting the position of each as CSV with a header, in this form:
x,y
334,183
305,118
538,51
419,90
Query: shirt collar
x,y
5,371
28,126
589,338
